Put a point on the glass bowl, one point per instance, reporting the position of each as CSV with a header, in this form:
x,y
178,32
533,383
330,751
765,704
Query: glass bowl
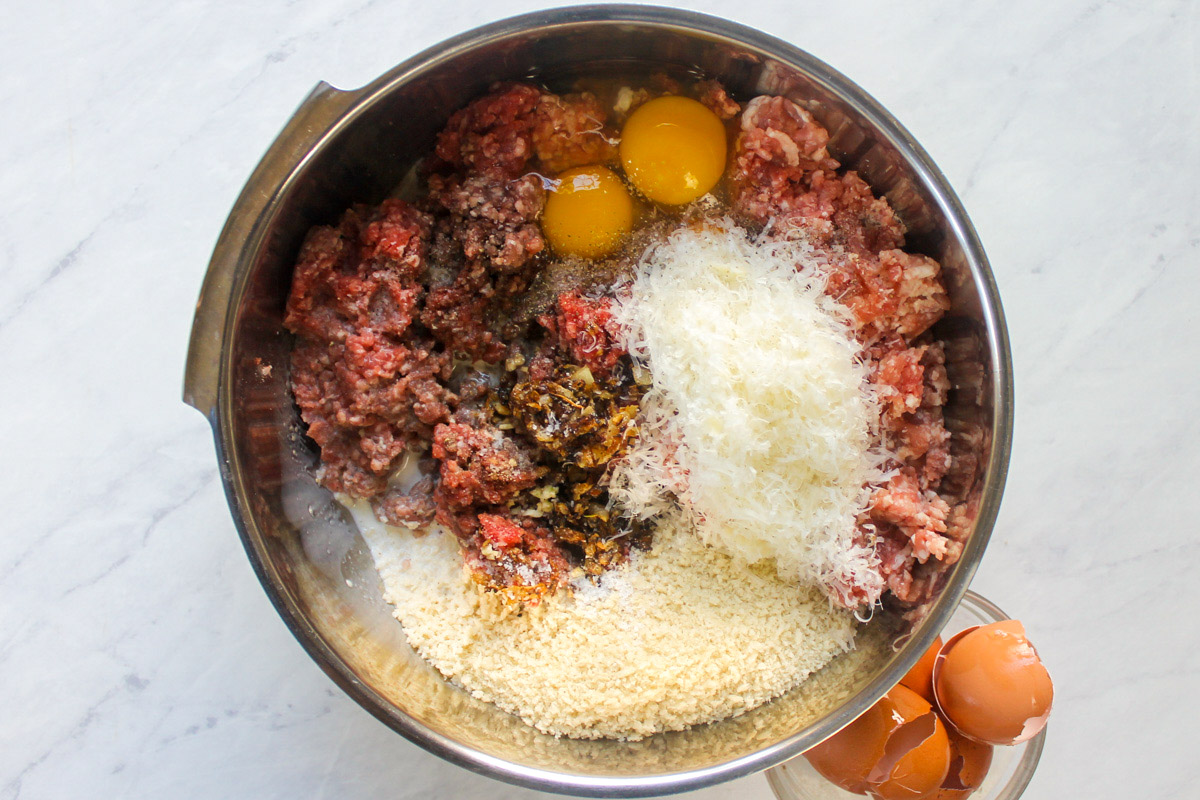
x,y
1012,767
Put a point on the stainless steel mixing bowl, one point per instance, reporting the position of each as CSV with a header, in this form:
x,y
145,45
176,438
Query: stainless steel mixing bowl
x,y
343,147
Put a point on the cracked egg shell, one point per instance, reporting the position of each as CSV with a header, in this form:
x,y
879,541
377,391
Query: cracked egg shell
x,y
916,756
969,765
990,684
847,757
897,749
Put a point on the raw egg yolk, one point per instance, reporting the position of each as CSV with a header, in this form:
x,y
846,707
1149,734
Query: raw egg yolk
x,y
673,149
992,686
588,213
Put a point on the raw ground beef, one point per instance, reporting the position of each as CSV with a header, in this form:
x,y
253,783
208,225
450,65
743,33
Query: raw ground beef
x,y
413,507
409,344
479,466
713,95
395,309
492,135
367,383
494,219
583,328
456,314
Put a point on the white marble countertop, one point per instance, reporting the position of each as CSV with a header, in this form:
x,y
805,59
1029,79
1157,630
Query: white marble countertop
x,y
140,658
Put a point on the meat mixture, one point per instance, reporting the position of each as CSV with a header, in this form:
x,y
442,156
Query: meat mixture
x,y
784,176
419,353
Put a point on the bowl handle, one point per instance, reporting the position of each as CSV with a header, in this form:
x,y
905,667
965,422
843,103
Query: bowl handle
x,y
317,114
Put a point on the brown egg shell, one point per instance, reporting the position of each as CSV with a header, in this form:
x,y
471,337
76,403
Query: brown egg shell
x,y
969,762
851,758
916,758
969,765
1031,730
920,677
846,757
937,671
951,794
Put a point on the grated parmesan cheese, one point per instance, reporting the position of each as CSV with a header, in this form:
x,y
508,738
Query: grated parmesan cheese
x,y
760,415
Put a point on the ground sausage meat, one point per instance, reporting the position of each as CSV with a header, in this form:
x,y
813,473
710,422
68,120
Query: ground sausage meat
x,y
784,175
895,294
778,147
569,131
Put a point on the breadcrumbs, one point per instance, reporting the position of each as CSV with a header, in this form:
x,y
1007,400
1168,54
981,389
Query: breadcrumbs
x,y
681,635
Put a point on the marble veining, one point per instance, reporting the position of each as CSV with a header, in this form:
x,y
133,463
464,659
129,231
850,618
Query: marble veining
x,y
138,655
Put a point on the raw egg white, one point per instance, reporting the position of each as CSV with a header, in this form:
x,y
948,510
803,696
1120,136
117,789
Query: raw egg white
x,y
588,213
991,685
673,149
